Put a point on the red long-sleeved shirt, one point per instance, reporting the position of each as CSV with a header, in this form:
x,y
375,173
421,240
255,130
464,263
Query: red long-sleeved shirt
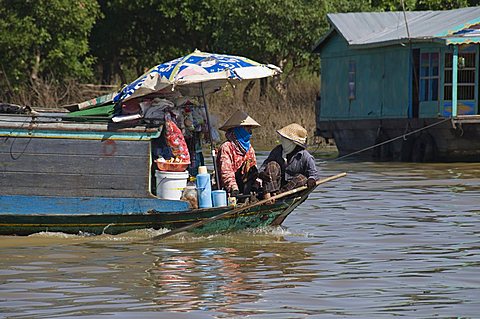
x,y
229,160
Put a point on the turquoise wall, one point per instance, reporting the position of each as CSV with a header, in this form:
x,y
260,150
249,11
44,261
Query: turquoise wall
x,y
383,80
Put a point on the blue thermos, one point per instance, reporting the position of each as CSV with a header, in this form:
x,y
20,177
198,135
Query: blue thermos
x,y
204,188
219,198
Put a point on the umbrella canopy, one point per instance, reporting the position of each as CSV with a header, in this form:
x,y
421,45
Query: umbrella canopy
x,y
196,74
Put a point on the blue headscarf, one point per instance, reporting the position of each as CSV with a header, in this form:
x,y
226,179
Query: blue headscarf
x,y
243,137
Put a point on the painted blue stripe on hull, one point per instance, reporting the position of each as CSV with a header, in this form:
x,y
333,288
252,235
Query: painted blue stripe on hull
x,y
51,205
134,136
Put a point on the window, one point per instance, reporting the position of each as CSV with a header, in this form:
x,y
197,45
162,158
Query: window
x,y
351,80
465,76
429,76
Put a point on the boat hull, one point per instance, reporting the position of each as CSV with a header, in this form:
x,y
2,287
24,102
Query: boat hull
x,y
95,224
58,175
407,140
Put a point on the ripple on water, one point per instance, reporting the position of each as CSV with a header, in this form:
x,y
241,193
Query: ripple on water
x,y
389,240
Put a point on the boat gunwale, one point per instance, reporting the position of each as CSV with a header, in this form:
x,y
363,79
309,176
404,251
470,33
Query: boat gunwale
x,y
147,220
34,122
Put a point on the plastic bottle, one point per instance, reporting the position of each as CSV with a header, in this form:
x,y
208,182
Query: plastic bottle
x,y
190,195
204,188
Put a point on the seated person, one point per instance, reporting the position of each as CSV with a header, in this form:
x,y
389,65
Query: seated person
x,y
288,165
236,161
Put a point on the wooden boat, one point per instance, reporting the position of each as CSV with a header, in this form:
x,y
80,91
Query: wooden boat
x,y
96,174
116,222
59,175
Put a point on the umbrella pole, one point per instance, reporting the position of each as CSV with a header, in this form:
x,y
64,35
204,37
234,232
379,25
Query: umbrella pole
x,y
212,148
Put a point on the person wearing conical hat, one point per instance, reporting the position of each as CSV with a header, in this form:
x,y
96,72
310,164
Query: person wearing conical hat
x,y
236,161
289,165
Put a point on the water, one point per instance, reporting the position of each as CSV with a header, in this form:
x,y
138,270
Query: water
x,y
388,240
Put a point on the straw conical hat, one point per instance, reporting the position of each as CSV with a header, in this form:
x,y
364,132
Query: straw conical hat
x,y
239,118
294,132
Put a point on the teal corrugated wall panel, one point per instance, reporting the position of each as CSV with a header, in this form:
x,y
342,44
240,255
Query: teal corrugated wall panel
x,y
334,97
381,79
369,95
396,83
334,69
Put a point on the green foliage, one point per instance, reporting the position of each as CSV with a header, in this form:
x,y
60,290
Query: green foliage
x,y
120,39
275,31
45,38
440,4
416,5
394,5
137,34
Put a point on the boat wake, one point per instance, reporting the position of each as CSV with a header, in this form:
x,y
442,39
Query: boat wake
x,y
147,234
47,234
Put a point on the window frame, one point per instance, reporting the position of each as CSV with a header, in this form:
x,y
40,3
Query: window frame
x,y
447,85
430,78
352,74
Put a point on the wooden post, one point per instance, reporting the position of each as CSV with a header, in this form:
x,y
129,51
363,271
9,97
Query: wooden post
x,y
454,80
212,147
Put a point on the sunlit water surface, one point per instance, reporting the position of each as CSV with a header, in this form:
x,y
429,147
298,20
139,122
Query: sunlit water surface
x,y
388,240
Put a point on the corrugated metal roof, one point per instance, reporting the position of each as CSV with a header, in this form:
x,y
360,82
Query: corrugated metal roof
x,y
461,40
373,29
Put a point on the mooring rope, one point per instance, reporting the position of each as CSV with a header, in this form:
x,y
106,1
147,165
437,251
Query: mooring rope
x,y
403,136
12,156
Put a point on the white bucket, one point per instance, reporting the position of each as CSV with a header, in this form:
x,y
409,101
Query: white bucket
x,y
170,185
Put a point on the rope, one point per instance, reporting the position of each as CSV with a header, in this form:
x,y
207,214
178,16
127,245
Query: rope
x,y
403,136
406,22
12,156
317,146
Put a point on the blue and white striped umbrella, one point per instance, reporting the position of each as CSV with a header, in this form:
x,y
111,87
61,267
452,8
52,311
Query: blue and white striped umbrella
x,y
196,74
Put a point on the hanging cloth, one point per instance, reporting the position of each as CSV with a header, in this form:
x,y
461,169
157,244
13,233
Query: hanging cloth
x,y
242,143
243,137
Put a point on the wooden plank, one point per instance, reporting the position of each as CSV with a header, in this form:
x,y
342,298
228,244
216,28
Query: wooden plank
x,y
131,165
74,167
51,146
62,191
133,183
76,157
470,119
56,123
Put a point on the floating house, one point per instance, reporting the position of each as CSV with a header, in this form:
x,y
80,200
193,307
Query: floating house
x,y
401,86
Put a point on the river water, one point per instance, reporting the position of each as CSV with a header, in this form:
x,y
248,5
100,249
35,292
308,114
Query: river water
x,y
389,240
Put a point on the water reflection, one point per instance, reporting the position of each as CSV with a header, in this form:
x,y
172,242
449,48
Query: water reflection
x,y
389,240
220,274
92,276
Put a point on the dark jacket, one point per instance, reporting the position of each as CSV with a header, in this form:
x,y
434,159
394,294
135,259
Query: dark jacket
x,y
300,161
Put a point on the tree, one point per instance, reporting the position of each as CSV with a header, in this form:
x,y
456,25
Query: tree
x,y
282,32
137,34
440,4
417,5
45,38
